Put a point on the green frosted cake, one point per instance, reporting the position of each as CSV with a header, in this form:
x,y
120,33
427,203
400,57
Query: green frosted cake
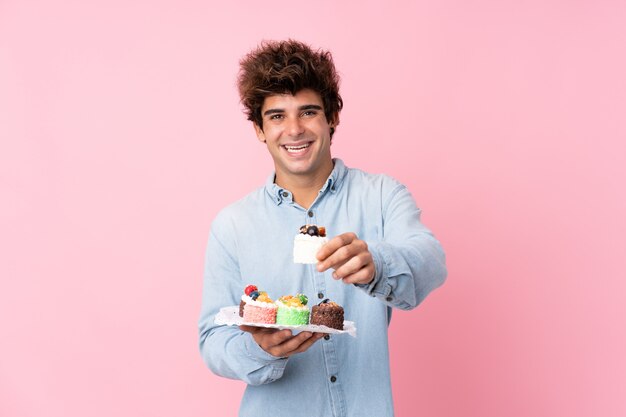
x,y
292,310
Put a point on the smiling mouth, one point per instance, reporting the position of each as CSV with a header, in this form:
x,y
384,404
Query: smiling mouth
x,y
297,149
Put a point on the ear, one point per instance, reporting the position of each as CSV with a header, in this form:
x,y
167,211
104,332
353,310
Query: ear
x,y
259,133
332,123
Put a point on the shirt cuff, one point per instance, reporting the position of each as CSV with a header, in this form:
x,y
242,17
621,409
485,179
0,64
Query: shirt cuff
x,y
256,353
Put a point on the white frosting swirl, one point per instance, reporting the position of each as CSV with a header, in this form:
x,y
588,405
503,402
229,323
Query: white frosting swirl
x,y
248,300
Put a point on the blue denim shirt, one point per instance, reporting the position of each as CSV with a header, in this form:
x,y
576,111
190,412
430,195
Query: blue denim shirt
x,y
251,242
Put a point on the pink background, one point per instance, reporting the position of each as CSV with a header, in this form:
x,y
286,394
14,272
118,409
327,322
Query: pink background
x,y
122,136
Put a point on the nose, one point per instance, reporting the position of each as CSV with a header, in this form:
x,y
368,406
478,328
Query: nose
x,y
294,126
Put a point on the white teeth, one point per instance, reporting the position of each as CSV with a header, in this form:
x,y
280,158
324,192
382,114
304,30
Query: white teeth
x,y
297,148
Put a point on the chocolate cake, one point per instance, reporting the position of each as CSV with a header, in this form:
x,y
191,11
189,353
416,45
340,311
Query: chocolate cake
x,y
327,313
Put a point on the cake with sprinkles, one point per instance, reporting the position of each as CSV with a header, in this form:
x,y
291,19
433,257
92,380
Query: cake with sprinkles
x,y
257,307
307,242
327,313
292,310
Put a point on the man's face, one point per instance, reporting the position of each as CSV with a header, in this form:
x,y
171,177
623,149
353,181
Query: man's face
x,y
296,133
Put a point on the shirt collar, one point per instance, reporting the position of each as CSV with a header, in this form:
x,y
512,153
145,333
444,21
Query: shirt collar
x,y
332,184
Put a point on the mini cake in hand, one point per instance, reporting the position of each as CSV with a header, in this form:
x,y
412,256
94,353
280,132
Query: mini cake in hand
x,y
257,306
327,313
292,310
306,243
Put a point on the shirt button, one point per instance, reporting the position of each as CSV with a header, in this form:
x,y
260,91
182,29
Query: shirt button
x,y
310,213
327,337
333,378
285,194
332,188
389,298
320,295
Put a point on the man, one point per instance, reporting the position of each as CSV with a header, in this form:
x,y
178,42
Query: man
x,y
379,255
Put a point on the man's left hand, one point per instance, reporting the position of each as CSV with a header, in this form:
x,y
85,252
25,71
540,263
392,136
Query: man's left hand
x,y
349,257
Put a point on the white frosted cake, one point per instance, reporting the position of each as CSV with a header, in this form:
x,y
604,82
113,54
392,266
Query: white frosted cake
x,y
306,244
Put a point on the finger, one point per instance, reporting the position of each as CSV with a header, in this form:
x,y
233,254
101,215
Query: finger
x,y
278,337
252,329
338,265
364,275
307,344
293,343
335,243
267,338
345,253
340,256
353,265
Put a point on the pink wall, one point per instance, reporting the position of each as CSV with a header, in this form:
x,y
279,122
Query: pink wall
x,y
121,137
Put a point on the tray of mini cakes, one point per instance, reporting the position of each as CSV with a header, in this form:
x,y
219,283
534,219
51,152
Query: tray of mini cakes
x,y
288,312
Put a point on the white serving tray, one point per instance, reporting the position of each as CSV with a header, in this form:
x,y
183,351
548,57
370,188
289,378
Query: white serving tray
x,y
229,316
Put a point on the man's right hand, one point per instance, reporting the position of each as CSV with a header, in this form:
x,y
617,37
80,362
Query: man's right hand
x,y
282,343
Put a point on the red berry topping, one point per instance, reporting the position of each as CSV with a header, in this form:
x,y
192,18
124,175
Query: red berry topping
x,y
249,289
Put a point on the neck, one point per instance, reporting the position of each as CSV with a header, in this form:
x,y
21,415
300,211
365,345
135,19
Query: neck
x,y
304,188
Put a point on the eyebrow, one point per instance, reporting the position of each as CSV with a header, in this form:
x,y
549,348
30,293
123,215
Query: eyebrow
x,y
301,108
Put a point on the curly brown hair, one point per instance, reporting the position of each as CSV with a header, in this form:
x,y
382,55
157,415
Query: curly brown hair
x,y
280,67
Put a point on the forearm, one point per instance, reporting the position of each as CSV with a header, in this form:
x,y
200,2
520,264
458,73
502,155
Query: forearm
x,y
408,260
232,353
406,274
